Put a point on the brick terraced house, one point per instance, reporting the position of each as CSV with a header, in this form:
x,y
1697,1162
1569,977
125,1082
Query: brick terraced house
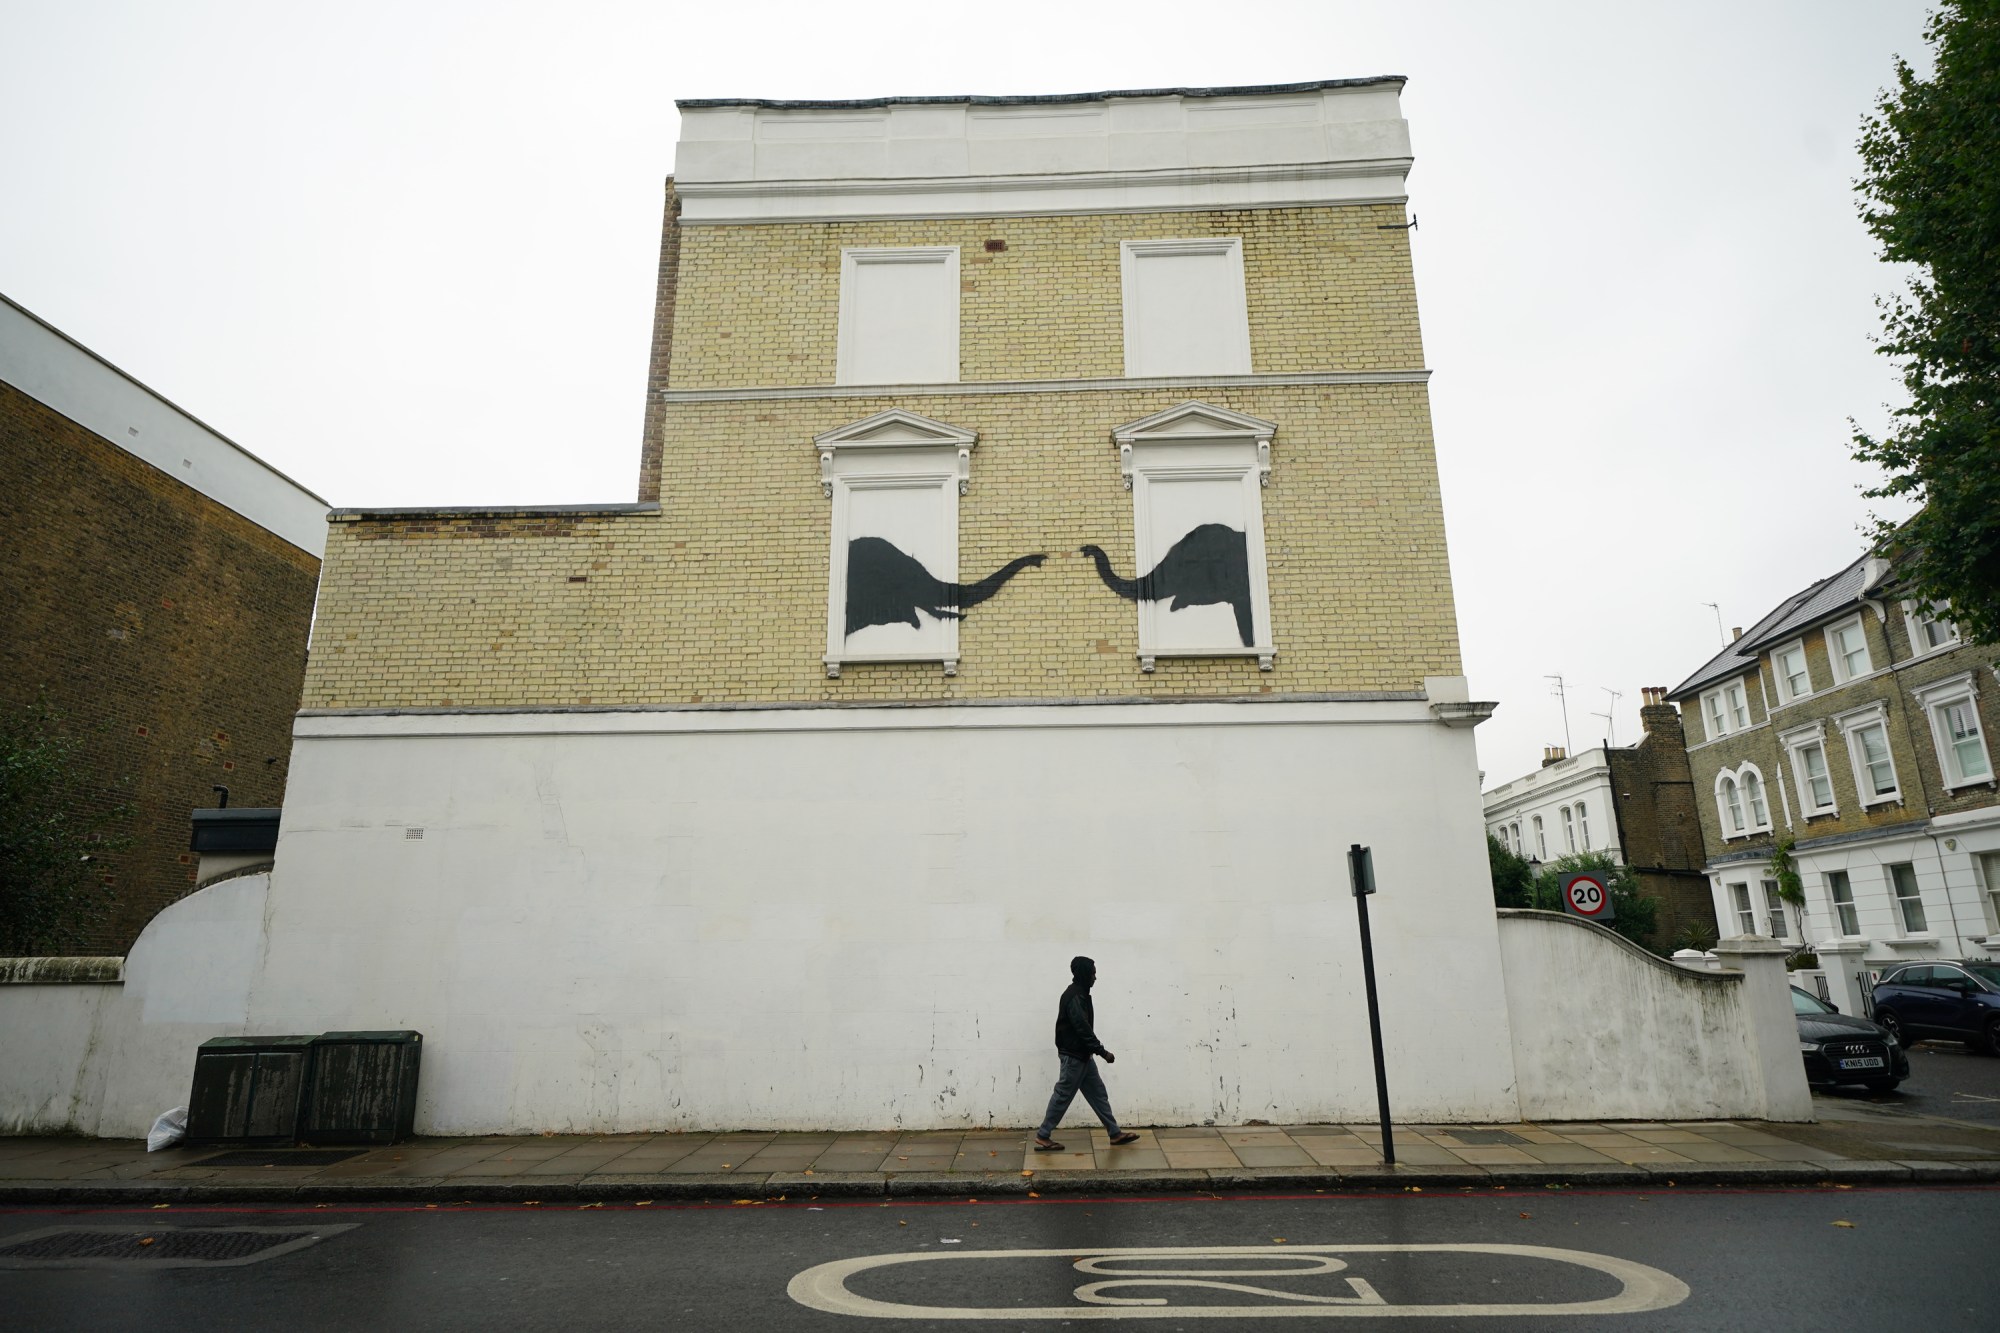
x,y
1854,722
1038,551
156,588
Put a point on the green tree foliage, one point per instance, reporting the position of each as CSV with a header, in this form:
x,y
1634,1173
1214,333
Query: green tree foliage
x,y
1930,193
1638,915
1513,881
52,827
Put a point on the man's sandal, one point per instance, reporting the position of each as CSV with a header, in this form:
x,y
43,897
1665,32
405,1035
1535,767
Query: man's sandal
x,y
1127,1137
1047,1145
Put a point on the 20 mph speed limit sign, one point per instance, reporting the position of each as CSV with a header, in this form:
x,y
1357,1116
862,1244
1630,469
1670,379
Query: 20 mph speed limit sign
x,y
1588,895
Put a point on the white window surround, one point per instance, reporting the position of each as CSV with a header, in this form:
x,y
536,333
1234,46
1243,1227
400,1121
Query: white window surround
x,y
1798,743
1789,664
899,310
1924,622
1569,829
1541,840
1936,699
1737,802
1725,710
1184,316
1229,455
1842,639
1851,725
1739,895
1729,805
894,451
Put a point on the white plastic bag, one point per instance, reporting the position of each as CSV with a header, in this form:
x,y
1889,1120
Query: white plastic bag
x,y
168,1130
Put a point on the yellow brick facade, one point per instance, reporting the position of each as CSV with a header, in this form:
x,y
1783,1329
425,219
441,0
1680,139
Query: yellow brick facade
x,y
1328,289
721,597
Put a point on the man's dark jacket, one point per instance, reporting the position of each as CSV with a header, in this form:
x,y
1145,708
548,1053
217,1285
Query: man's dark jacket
x,y
1076,1023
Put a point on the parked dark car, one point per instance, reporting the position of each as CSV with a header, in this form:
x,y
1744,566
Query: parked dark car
x,y
1840,1048
1958,1001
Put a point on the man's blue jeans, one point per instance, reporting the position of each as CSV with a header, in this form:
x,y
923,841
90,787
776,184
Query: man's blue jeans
x,y
1079,1074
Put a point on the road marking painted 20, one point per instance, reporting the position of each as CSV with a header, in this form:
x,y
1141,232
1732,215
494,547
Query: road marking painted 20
x,y
1212,1268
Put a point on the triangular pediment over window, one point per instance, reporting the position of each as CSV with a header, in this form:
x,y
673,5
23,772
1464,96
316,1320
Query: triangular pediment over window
x,y
896,429
1195,420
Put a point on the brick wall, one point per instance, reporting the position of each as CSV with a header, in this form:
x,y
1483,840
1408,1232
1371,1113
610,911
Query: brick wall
x,y
1659,826
722,596
169,630
662,353
1327,288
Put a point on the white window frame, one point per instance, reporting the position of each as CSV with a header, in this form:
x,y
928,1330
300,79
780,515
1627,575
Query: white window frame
x,y
1846,916
1796,743
847,349
1922,928
1875,717
1541,840
1775,914
890,450
1132,254
1986,869
1729,806
1837,660
1746,775
1713,716
1199,442
1739,901
1569,829
1583,826
1916,616
1737,696
1934,699
1785,692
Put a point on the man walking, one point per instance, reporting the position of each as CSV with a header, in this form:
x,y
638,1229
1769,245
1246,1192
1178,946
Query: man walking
x,y
1077,1045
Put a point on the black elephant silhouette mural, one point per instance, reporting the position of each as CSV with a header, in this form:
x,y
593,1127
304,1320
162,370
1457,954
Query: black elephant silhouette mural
x,y
1209,566
887,586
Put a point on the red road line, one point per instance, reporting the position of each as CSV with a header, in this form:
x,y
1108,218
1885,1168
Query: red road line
x,y
1455,1192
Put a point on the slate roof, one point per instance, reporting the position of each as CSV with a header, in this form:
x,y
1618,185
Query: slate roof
x,y
1809,606
1036,99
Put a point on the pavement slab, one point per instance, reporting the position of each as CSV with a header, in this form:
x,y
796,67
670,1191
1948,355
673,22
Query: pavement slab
x,y
1854,1144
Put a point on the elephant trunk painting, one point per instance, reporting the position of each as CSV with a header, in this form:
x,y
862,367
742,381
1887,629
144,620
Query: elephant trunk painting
x,y
1209,566
888,586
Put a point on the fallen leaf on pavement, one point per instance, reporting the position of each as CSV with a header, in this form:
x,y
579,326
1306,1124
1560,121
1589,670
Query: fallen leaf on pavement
x,y
1033,1195
1277,1240
1843,1224
1527,1214
147,1241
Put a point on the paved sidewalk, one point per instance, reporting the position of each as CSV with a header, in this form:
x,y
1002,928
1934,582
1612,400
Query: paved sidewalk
x,y
1844,1146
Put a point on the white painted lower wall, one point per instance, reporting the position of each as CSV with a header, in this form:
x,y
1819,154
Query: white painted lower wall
x,y
845,919
861,918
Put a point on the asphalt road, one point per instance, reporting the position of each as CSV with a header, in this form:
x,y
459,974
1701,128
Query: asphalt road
x,y
1767,1260
1946,1079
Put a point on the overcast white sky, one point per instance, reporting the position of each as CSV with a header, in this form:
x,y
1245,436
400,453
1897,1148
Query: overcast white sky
x,y
405,252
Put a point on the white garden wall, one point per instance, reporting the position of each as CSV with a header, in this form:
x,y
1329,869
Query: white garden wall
x,y
1604,1030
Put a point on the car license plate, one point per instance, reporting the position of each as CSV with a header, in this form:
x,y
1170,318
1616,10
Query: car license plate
x,y
1865,1062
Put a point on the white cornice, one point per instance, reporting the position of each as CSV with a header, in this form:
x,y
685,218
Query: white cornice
x,y
1177,189
1306,379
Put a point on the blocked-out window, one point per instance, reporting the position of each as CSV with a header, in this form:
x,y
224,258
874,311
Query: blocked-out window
x,y
898,316
893,587
1583,825
1185,312
1847,647
1909,899
1541,840
1569,829
1840,892
1196,473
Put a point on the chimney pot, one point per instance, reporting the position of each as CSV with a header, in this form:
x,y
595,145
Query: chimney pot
x,y
1735,633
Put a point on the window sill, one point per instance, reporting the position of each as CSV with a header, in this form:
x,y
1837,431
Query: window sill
x,y
1893,798
1266,656
1950,785
1924,941
834,664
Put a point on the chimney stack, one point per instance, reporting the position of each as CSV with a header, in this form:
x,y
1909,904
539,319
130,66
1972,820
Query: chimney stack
x,y
1553,754
1735,633
1660,718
